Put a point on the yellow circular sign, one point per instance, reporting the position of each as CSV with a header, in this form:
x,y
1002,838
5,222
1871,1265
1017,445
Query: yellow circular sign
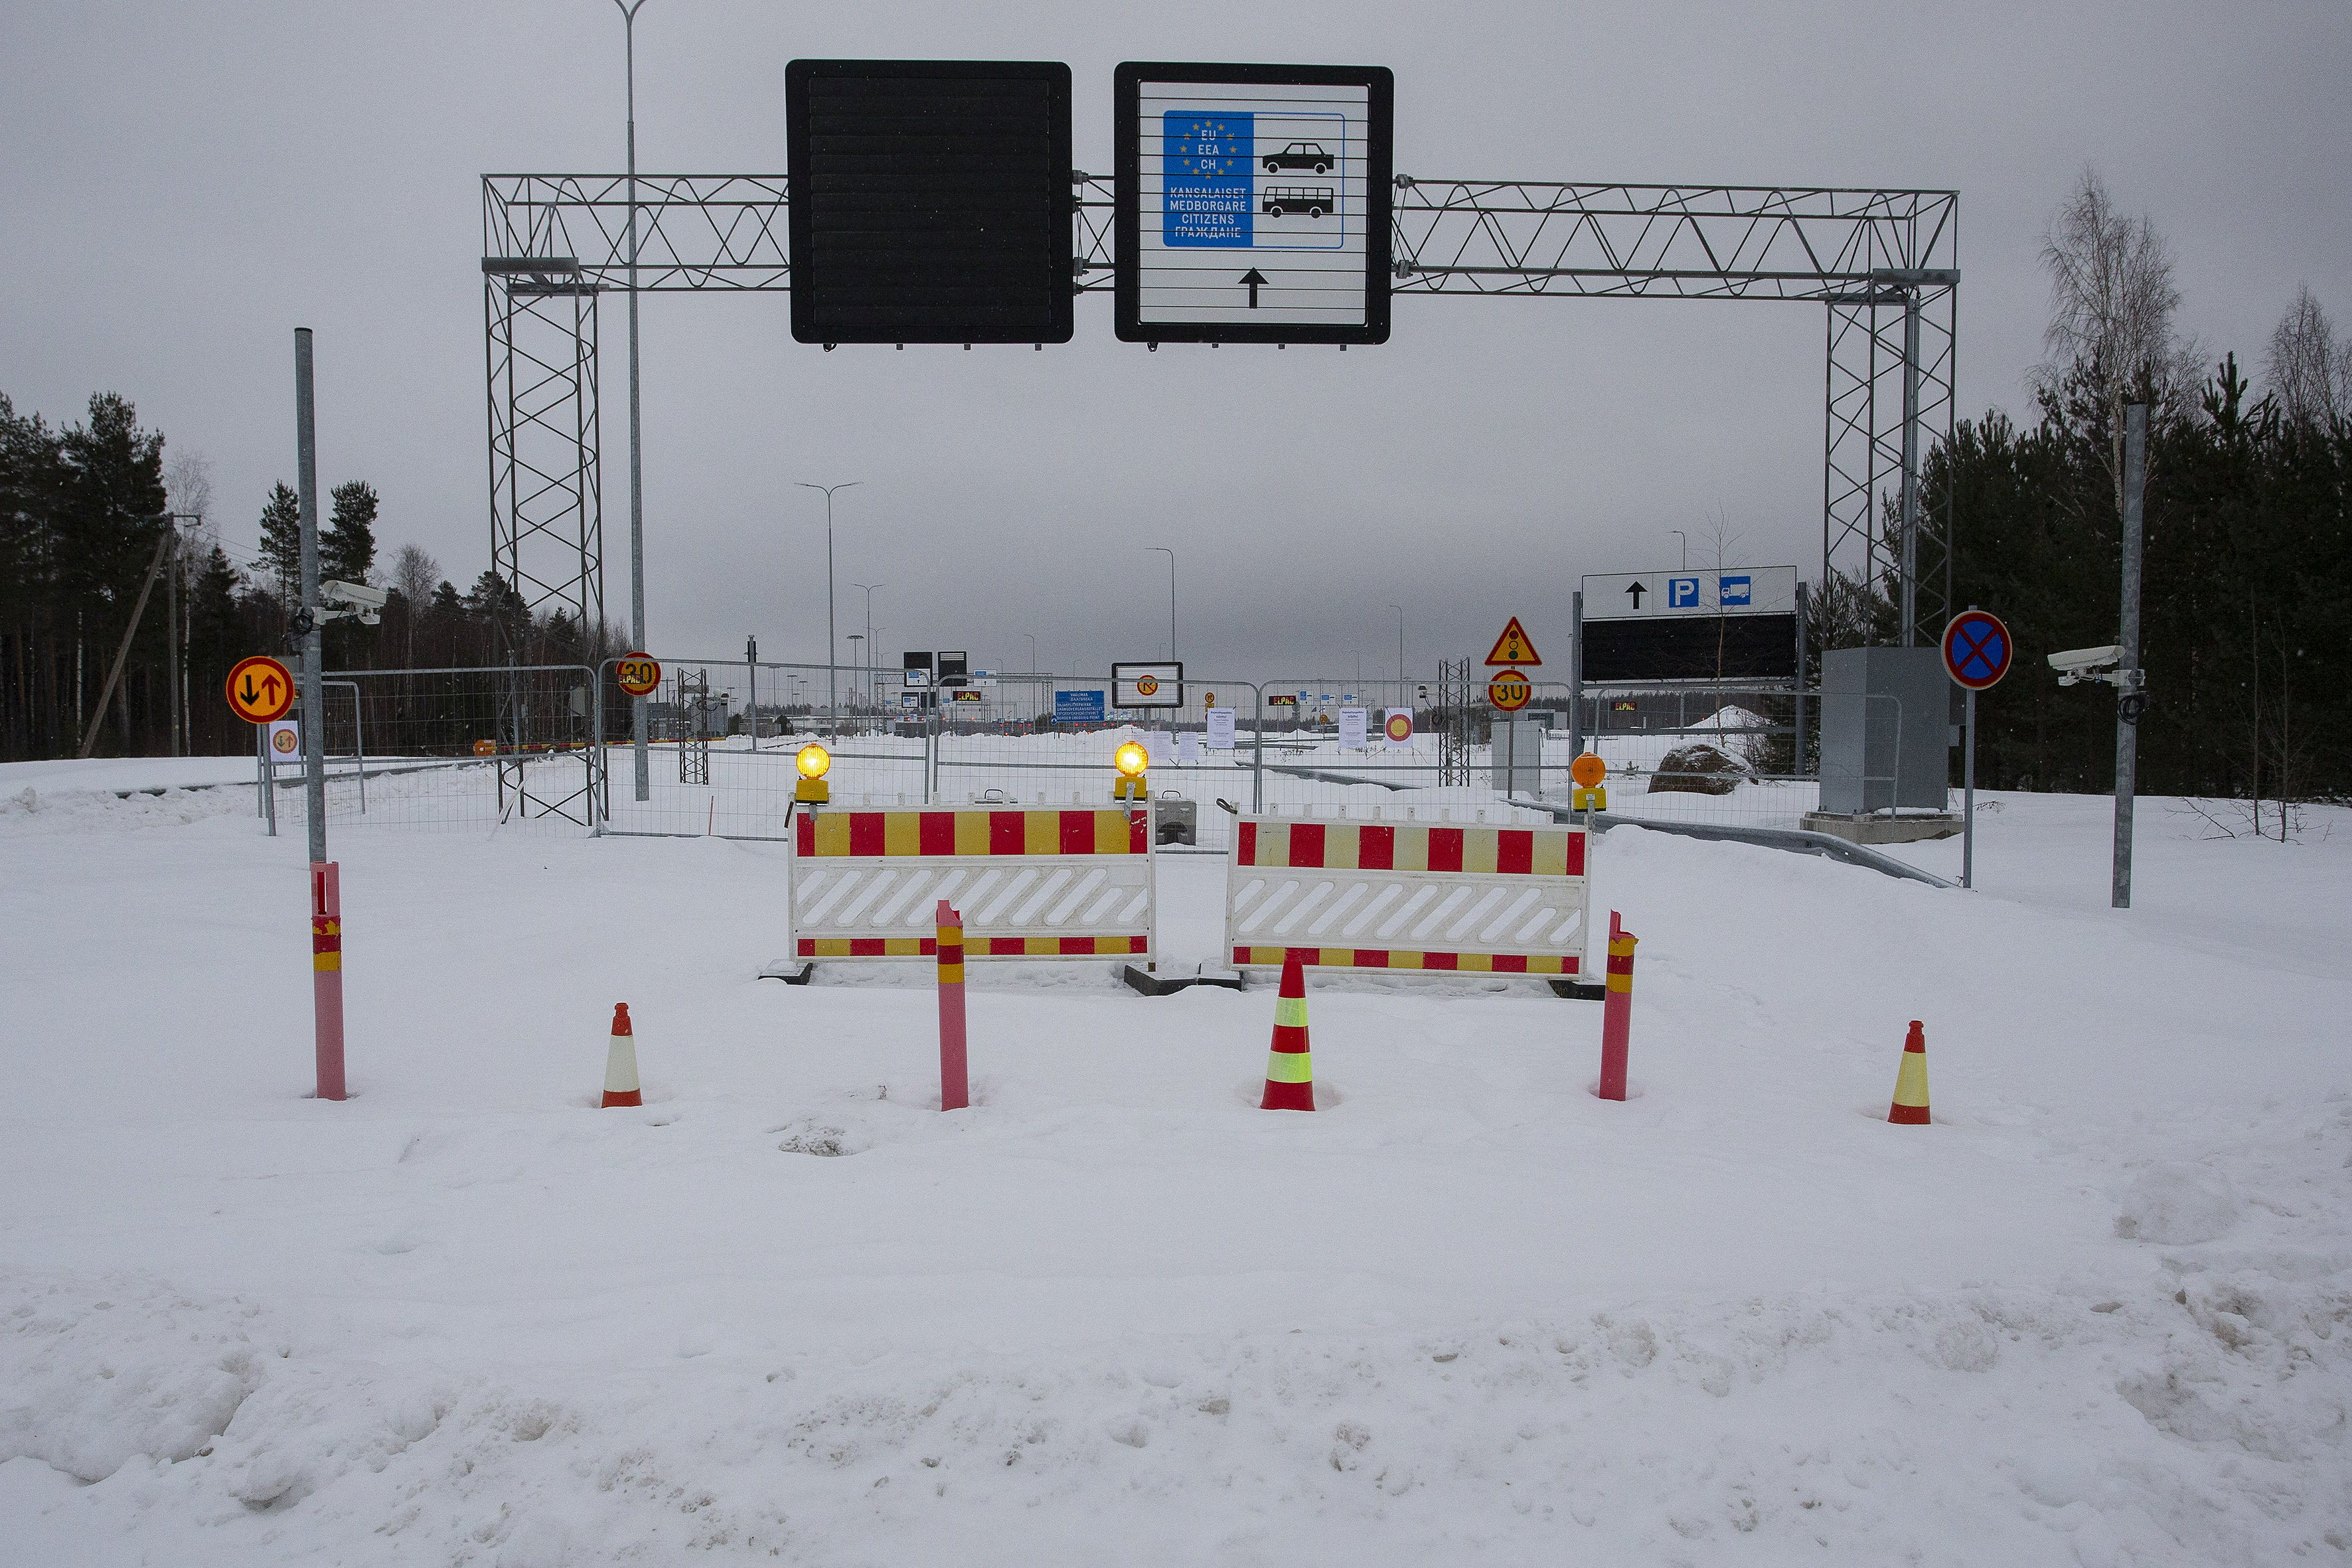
x,y
637,673
1147,685
1589,771
1398,725
486,748
286,742
260,689
1510,691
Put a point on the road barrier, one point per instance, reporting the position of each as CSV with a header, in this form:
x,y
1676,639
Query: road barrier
x,y
1406,897
1053,884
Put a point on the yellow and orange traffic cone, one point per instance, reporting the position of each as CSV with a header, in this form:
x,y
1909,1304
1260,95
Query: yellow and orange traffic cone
x,y
621,1086
1289,1068
1910,1108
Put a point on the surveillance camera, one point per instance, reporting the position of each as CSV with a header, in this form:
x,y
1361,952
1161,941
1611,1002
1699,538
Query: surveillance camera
x,y
2083,663
357,595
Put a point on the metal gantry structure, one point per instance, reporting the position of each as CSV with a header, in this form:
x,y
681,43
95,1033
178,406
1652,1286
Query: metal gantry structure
x,y
1883,264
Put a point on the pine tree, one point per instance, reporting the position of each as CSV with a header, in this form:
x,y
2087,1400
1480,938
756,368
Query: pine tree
x,y
347,550
281,541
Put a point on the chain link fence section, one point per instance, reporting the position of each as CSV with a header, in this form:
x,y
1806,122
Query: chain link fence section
x,y
465,749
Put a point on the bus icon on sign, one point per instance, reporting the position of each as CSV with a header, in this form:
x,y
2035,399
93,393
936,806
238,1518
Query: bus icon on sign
x,y
1682,593
1733,591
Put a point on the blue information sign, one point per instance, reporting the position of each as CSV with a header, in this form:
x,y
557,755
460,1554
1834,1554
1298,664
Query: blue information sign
x,y
1208,178
1078,707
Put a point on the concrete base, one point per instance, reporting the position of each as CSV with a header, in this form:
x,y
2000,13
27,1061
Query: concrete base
x,y
1879,829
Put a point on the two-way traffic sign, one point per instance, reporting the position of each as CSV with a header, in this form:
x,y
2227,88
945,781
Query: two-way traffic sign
x,y
260,689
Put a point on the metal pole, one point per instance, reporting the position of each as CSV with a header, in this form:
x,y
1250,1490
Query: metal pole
x,y
314,705
2128,681
1968,801
638,719
751,677
1803,656
1400,691
1911,469
171,635
1683,539
1576,673
831,645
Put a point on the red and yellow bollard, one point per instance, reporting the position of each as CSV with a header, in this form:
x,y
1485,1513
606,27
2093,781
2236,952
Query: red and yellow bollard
x,y
327,975
955,1085
1617,1010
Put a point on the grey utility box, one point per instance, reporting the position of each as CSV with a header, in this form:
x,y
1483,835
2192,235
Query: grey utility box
x,y
1885,730
1175,820
1517,744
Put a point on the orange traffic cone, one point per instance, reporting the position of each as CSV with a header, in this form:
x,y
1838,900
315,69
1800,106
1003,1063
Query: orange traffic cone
x,y
621,1062
1289,1070
1910,1106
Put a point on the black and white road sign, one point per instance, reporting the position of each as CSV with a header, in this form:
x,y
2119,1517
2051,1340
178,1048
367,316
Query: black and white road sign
x,y
931,201
1733,623
1731,591
1253,203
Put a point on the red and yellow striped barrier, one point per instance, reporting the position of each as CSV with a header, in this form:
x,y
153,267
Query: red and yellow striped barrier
x,y
1418,898
1031,883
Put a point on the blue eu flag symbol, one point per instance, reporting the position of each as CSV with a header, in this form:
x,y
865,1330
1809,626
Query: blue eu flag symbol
x,y
1206,178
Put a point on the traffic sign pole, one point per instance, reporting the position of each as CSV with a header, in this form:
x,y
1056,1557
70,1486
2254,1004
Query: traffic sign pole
x,y
1978,651
325,894
1968,800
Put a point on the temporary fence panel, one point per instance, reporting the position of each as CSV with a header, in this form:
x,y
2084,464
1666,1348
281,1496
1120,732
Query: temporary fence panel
x,y
1403,897
472,748
1075,883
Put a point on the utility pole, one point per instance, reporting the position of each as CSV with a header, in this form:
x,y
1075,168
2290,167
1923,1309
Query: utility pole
x,y
1403,697
307,621
2130,699
637,714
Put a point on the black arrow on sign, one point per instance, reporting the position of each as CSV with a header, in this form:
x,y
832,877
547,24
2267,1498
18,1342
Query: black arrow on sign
x,y
251,697
1637,590
1256,280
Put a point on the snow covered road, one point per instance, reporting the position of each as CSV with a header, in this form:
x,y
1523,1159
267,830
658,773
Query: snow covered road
x,y
2101,1312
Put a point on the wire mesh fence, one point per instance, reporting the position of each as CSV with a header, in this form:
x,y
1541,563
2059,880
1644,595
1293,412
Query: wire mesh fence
x,y
549,748
469,749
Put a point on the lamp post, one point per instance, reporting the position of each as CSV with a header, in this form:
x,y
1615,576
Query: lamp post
x,y
1401,692
868,695
832,647
637,717
1164,550
1684,538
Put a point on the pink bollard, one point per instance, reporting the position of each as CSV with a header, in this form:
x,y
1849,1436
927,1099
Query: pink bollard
x,y
955,1087
1616,1010
327,975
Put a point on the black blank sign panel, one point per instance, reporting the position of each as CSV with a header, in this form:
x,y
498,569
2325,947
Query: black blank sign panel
x,y
931,201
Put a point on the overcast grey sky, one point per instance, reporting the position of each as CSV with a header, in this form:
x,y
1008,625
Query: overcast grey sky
x,y
188,182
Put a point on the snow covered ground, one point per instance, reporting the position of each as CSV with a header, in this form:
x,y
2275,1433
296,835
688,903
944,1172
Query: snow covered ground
x,y
2101,1312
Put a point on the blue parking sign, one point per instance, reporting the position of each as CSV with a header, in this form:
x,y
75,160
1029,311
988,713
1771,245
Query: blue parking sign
x,y
1733,591
1682,593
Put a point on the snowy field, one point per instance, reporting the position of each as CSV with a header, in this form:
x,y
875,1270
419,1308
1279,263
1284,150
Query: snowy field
x,y
2099,1313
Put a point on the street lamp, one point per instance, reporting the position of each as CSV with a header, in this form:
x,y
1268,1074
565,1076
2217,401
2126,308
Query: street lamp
x,y
1400,610
1679,534
832,647
1164,550
870,644
629,9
